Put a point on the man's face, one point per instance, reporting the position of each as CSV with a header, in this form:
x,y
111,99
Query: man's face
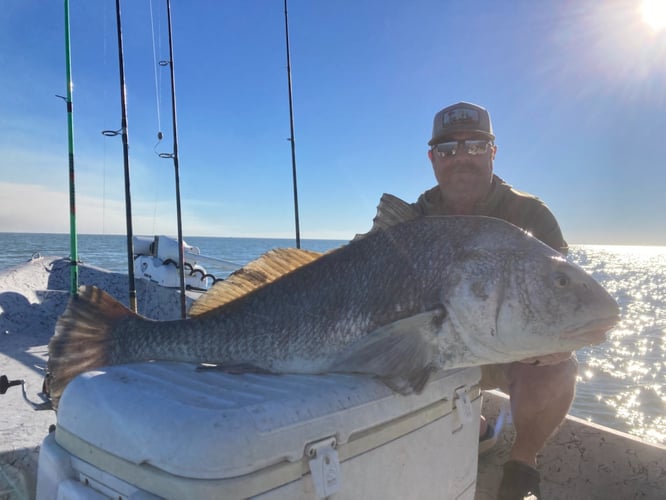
x,y
464,178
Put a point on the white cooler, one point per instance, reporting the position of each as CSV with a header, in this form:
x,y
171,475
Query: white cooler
x,y
151,430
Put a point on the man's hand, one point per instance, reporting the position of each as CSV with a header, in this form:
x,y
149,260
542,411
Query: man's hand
x,y
548,359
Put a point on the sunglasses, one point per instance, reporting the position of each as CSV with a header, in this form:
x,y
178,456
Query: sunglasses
x,y
473,147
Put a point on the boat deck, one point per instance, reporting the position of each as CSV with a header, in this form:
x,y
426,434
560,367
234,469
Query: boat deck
x,y
581,461
32,296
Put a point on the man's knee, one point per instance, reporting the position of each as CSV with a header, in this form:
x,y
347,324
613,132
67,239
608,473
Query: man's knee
x,y
550,381
564,373
569,370
503,376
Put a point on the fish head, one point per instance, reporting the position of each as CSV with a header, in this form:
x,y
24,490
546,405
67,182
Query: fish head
x,y
555,306
520,298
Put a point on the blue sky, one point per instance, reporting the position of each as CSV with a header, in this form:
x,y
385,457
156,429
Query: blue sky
x,y
576,91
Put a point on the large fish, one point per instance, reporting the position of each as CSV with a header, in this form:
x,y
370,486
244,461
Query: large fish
x,y
427,294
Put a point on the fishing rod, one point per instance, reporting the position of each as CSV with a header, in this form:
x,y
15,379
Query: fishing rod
x,y
125,139
74,257
292,138
174,155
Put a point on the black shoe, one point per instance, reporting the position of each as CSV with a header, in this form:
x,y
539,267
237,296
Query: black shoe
x,y
519,481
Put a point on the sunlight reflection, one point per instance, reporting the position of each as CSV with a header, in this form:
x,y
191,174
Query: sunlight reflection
x,y
622,383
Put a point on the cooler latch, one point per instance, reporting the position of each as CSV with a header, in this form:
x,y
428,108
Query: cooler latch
x,y
324,466
463,404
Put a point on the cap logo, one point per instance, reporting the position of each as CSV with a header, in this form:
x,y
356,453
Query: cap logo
x,y
461,116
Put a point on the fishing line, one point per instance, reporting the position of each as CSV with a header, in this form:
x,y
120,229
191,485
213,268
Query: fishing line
x,y
157,107
157,48
104,189
157,84
106,96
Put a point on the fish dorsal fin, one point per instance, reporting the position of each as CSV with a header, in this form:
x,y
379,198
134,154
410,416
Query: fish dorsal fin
x,y
256,274
391,211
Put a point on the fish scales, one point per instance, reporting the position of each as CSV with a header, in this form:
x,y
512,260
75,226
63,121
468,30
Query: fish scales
x,y
430,293
330,295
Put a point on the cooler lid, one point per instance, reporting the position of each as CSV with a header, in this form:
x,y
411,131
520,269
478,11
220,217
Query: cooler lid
x,y
207,424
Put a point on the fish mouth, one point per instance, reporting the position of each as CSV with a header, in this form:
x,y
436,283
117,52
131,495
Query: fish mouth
x,y
592,332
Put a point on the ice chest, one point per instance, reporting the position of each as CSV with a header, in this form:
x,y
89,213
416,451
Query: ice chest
x,y
150,430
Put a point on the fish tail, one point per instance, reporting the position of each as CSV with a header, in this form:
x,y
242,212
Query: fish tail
x,y
84,338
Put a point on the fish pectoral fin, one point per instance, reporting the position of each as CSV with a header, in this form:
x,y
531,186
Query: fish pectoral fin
x,y
236,369
414,384
398,353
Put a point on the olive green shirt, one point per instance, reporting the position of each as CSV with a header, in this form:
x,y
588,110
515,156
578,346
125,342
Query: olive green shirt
x,y
503,202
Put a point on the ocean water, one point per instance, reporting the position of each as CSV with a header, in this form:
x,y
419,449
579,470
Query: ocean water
x,y
622,382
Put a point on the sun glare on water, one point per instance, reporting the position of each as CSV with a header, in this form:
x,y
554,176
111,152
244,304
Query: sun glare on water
x,y
654,14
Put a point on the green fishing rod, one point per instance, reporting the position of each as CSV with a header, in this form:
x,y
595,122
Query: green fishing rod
x,y
74,258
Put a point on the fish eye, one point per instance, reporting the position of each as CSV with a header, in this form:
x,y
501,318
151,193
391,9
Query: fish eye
x,y
560,280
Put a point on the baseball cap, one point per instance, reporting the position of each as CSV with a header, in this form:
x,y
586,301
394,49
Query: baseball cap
x,y
461,117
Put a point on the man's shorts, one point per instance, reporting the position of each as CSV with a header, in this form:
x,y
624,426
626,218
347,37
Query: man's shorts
x,y
497,376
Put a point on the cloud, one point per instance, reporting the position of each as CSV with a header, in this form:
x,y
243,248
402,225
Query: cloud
x,y
35,208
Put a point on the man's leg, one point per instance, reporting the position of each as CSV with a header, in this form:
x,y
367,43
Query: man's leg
x,y
540,399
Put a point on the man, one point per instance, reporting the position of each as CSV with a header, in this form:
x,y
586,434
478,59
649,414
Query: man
x,y
462,151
